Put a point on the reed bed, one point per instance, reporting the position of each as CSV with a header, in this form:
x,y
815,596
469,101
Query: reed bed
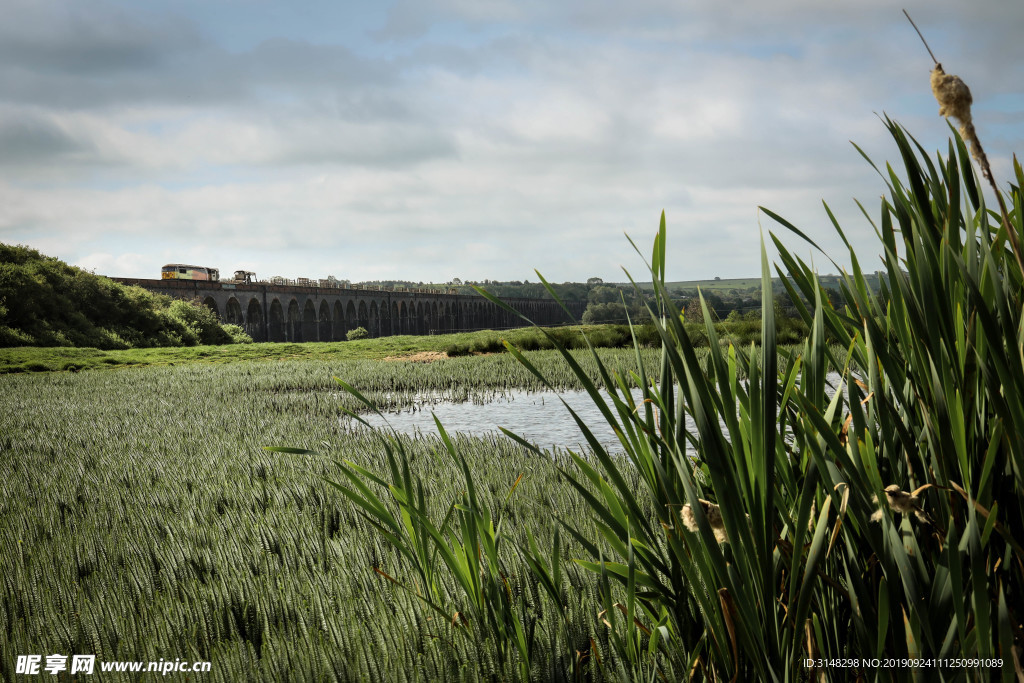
x,y
868,530
140,519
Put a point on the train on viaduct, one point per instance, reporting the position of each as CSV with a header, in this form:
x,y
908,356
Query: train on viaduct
x,y
311,311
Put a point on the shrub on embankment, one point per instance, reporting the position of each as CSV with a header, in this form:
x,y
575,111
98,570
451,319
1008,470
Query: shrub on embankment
x,y
46,302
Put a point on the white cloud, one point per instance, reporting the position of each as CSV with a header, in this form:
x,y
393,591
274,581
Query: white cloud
x,y
491,139
128,265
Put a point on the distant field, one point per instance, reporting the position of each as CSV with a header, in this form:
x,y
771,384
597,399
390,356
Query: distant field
x,y
429,347
740,283
829,281
43,359
710,285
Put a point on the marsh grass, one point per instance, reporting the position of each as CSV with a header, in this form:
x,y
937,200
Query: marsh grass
x,y
877,518
140,520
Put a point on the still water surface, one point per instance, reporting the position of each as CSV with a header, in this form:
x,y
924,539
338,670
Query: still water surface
x,y
539,417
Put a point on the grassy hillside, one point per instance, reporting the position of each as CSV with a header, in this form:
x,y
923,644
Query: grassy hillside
x,y
46,302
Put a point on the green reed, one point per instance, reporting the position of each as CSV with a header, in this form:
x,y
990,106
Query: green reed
x,y
856,502
140,519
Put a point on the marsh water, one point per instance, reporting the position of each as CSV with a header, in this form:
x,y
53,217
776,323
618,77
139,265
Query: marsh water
x,y
539,417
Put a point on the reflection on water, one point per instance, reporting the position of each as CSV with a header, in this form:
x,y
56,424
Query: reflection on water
x,y
539,417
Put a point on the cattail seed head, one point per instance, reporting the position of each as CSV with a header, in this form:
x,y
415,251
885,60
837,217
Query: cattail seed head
x,y
953,95
955,100
714,517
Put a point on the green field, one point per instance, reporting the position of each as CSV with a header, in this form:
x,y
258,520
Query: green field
x,y
140,519
69,359
38,359
753,285
41,359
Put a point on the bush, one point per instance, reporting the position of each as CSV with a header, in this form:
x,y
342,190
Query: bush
x,y
526,340
237,334
14,337
486,345
197,323
457,350
568,337
357,333
647,335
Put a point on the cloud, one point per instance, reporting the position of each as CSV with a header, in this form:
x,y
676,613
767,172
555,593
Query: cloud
x,y
472,139
77,55
49,36
129,265
27,138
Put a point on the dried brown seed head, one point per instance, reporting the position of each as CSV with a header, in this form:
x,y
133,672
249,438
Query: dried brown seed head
x,y
953,95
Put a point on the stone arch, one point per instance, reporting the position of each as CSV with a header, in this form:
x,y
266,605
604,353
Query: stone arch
x,y
374,320
211,303
233,312
309,328
435,323
294,321
338,323
363,315
403,317
351,317
323,322
277,325
419,317
254,320
443,321
396,319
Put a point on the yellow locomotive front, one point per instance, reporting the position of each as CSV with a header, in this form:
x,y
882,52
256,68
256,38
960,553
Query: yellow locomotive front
x,y
180,271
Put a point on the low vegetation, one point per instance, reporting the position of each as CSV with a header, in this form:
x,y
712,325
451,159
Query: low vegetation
x,y
860,505
149,524
45,302
71,359
357,334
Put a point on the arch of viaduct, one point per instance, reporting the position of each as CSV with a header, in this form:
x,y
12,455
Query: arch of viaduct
x,y
297,314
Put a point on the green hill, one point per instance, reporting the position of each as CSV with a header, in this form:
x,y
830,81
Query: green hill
x,y
46,302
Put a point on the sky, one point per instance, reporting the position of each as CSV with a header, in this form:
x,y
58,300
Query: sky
x,y
426,140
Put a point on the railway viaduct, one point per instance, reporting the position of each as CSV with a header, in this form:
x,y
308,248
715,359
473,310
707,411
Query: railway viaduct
x,y
297,313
